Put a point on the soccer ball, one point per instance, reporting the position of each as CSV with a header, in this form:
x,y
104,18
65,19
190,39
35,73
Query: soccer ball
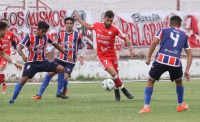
x,y
108,84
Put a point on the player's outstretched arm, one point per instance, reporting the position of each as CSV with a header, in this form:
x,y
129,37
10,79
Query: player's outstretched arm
x,y
7,58
151,49
62,51
127,41
21,53
189,62
83,23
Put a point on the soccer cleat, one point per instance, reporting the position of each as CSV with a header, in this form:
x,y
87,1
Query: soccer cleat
x,y
117,94
62,95
4,88
11,102
36,97
64,92
145,110
182,108
127,93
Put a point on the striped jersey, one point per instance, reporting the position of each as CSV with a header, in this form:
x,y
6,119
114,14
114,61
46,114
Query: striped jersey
x,y
36,46
70,43
172,41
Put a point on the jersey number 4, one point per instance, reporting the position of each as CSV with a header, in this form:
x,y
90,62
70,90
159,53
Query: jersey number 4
x,y
174,38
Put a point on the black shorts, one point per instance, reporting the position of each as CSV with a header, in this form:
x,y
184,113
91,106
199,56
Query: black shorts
x,y
31,68
68,66
158,69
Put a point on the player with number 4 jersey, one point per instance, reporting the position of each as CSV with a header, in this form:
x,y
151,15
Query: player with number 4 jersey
x,y
172,41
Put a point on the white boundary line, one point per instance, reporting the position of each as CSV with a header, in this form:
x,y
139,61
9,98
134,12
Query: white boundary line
x,y
87,82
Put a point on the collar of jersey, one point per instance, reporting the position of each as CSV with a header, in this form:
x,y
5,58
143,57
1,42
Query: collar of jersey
x,y
176,28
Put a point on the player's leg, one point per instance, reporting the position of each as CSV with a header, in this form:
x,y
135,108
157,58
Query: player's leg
x,y
44,85
64,77
30,69
68,70
176,74
155,72
17,89
2,78
55,67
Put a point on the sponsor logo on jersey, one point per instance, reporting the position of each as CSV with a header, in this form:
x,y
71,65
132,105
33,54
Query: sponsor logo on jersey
x,y
171,51
99,30
103,42
109,32
104,37
103,49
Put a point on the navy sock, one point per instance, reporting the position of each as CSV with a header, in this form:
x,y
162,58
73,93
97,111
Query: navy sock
x,y
65,85
147,95
60,82
44,85
180,93
18,88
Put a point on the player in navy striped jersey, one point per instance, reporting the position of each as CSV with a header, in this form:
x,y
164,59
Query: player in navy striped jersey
x,y
172,41
36,61
69,41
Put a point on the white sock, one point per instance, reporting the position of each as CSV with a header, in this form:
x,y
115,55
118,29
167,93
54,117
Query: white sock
x,y
181,104
145,106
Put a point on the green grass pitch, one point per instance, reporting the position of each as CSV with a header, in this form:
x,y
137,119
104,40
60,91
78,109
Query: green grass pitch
x,y
90,103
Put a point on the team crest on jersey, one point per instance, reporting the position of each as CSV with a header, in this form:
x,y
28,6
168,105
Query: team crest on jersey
x,y
109,32
4,62
8,37
68,69
92,26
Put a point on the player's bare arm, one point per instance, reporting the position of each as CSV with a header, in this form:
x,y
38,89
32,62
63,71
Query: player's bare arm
x,y
62,51
189,62
22,54
151,49
7,57
128,43
83,23
15,48
83,52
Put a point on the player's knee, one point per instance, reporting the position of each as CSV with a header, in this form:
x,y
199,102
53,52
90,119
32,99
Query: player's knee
x,y
60,69
179,82
113,74
23,80
2,68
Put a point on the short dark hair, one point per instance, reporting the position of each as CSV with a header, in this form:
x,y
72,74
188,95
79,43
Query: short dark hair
x,y
109,14
175,20
4,19
3,25
43,25
69,18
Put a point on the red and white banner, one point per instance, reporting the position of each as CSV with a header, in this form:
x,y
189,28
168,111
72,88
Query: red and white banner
x,y
24,22
141,27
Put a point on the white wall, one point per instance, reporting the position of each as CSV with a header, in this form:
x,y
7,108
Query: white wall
x,y
132,69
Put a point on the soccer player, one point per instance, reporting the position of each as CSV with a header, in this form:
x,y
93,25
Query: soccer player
x,y
172,41
36,61
9,38
105,36
70,41
3,31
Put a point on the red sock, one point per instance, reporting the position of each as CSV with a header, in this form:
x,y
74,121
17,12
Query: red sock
x,y
2,78
117,80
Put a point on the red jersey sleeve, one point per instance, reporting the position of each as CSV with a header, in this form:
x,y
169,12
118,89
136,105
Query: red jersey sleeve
x,y
1,45
120,33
